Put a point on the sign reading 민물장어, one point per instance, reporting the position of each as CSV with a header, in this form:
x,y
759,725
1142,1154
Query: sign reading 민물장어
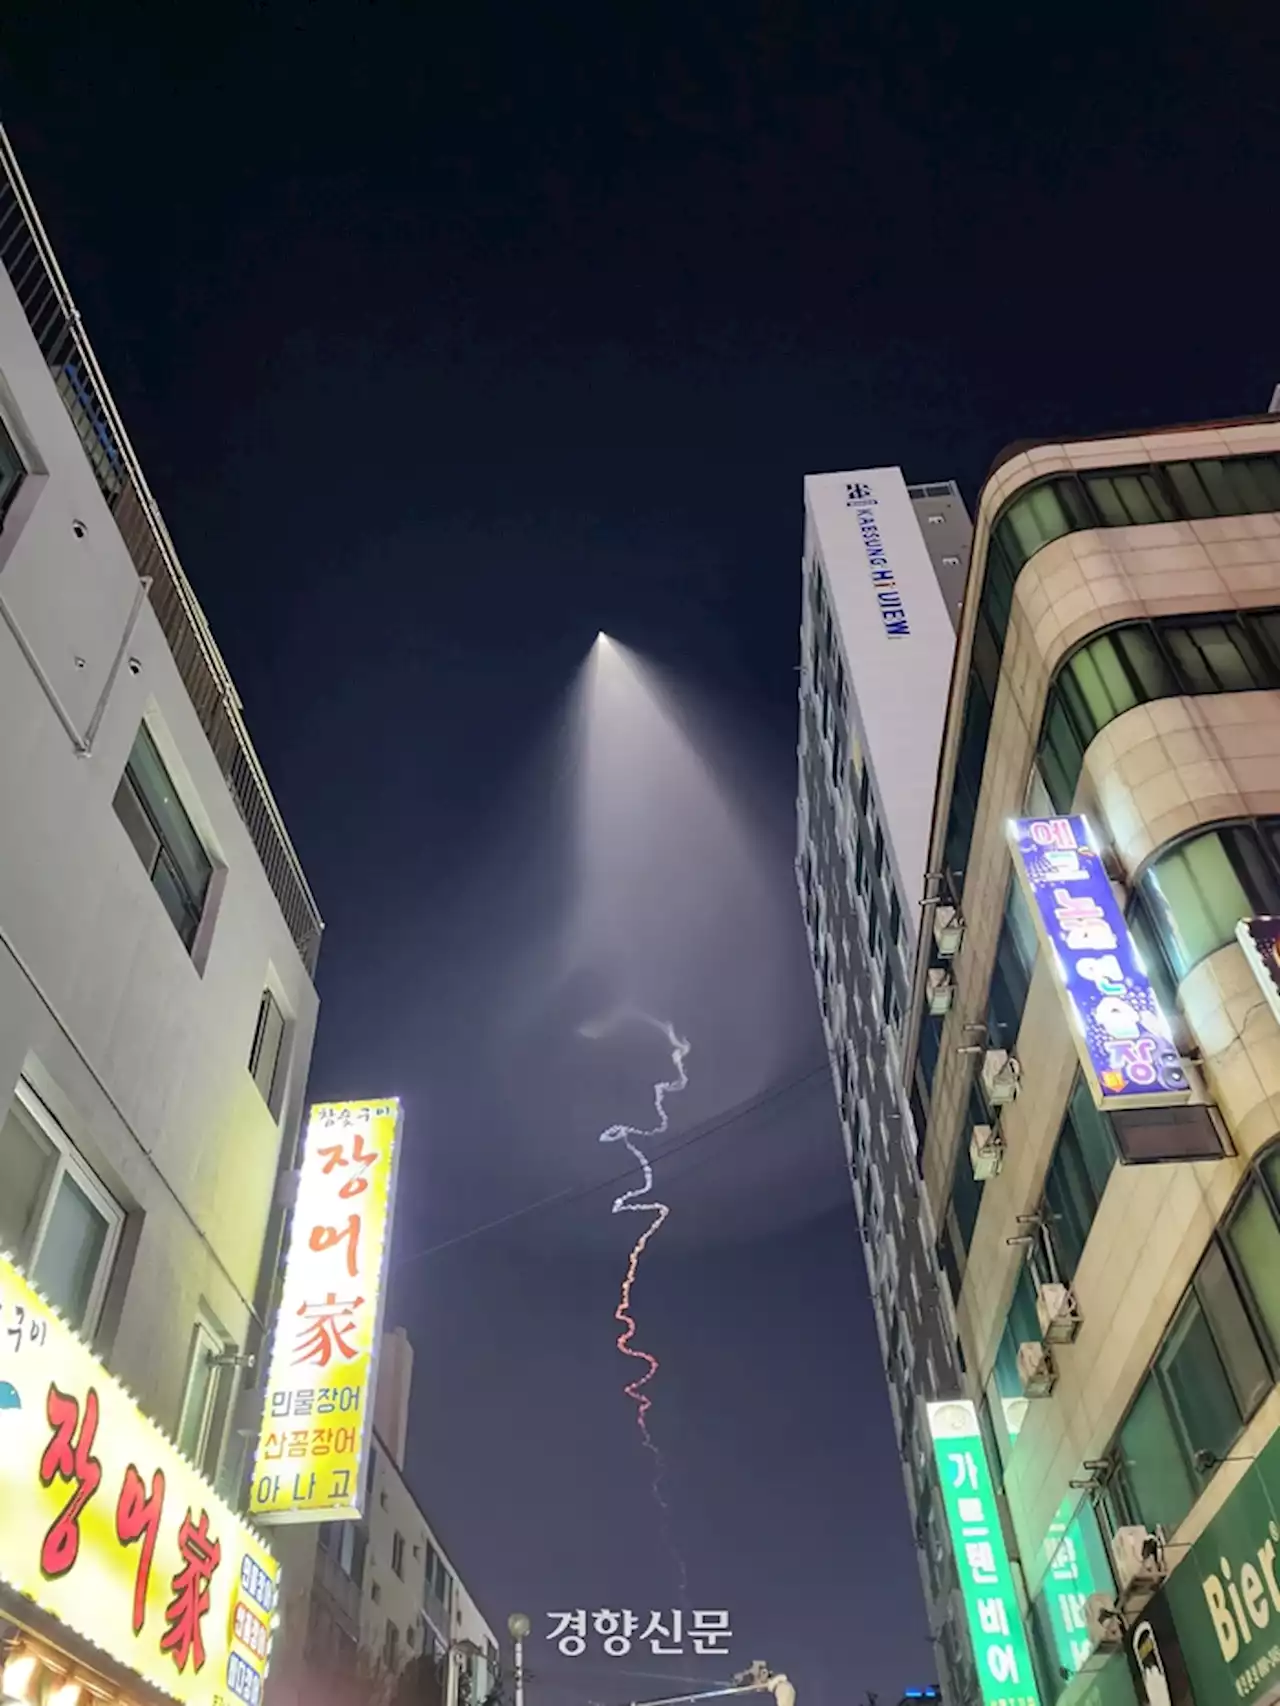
x,y
108,1528
316,1420
1122,1036
986,1581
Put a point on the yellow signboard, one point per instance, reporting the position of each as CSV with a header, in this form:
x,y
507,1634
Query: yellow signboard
x,y
104,1524
316,1420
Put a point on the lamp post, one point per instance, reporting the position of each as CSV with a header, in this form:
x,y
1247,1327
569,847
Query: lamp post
x,y
518,1627
457,1655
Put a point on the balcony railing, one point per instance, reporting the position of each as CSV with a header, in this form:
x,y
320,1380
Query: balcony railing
x,y
33,270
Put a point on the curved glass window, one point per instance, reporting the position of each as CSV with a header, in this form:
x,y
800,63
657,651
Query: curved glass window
x,y
1196,893
1137,662
1069,503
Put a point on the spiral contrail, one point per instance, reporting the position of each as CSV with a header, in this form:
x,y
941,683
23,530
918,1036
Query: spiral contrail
x,y
640,1200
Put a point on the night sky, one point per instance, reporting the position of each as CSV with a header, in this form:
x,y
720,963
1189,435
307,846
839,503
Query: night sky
x,y
449,337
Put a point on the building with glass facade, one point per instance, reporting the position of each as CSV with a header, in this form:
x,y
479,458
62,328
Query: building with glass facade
x,y
1092,1055
884,568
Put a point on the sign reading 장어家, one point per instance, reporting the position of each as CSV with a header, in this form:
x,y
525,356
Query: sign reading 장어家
x,y
1122,1036
105,1525
316,1418
982,1560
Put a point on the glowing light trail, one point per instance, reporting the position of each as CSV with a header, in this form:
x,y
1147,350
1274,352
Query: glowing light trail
x,y
640,1200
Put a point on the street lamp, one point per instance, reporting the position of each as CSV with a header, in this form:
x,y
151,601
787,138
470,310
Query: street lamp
x,y
518,1627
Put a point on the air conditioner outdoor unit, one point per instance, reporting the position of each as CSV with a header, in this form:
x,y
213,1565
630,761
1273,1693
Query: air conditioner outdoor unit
x,y
1103,1623
1138,1555
1000,1076
939,988
986,1152
1059,1314
948,931
1035,1369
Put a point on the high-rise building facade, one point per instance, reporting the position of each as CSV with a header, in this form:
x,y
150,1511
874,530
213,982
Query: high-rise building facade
x,y
1093,1055
884,567
157,1009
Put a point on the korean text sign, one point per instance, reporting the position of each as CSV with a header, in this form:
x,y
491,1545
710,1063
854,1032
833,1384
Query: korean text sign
x,y
316,1418
986,1581
106,1526
1076,1567
1122,1036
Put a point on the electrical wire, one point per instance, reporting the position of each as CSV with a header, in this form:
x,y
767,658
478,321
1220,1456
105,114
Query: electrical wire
x,y
573,1193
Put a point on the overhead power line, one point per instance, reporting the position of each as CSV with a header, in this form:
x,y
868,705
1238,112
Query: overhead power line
x,y
572,1193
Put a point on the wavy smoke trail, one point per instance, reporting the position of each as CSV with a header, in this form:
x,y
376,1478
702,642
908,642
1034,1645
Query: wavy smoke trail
x,y
630,1203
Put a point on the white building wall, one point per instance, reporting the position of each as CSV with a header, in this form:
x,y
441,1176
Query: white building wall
x,y
139,1048
898,640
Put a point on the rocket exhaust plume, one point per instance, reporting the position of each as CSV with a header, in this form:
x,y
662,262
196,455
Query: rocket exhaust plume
x,y
640,1200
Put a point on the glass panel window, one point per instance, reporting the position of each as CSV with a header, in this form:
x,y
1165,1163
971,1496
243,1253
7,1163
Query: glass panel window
x,y
56,1220
1155,1471
198,1403
1202,888
1078,1174
1038,516
1215,657
28,1162
1061,752
165,838
1233,1333
1193,1375
264,1057
12,472
1134,498
1254,1240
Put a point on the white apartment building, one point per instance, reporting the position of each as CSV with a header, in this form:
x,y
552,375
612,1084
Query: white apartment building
x,y
157,947
373,1596
884,567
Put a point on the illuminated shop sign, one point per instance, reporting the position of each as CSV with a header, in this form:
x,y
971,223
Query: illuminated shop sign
x,y
316,1419
107,1527
1122,1037
986,1581
1260,939
1076,1567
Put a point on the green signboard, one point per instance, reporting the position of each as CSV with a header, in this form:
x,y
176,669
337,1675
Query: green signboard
x,y
1076,1566
1223,1595
986,1580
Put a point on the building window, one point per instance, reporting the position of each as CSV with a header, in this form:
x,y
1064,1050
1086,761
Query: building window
x,y
56,1219
155,821
1015,961
1216,1364
375,1592
1195,893
1136,662
205,1400
264,1056
12,471
391,1647
397,1554
1077,1177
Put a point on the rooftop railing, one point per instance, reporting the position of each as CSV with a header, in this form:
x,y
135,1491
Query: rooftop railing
x,y
28,258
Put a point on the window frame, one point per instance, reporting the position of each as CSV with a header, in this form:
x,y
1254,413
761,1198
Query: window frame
x,y
271,1092
70,1163
208,1339
1145,896
194,906
10,451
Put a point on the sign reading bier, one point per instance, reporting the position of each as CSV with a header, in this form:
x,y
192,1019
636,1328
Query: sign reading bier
x,y
105,1525
317,1419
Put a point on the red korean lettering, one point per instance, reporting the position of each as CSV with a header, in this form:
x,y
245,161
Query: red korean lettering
x,y
328,1331
138,1516
363,1159
325,1237
184,1616
69,1457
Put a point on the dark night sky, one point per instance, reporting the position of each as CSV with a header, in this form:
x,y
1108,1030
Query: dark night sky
x,y
449,337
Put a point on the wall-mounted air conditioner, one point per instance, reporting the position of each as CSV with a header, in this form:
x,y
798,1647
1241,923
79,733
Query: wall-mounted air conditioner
x,y
1138,1556
948,931
1035,1369
1059,1314
1001,1076
939,987
1103,1623
986,1152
